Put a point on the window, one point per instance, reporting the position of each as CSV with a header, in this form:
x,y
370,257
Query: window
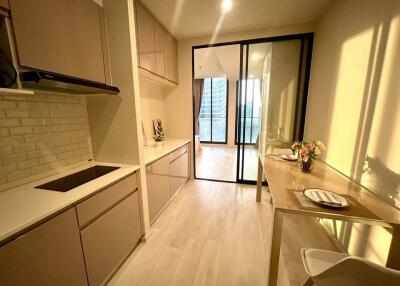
x,y
250,116
214,111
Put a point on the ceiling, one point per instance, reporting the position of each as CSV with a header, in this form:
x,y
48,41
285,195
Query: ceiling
x,y
217,62
224,61
192,18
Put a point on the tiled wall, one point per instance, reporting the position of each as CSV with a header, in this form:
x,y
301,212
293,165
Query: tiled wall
x,y
41,133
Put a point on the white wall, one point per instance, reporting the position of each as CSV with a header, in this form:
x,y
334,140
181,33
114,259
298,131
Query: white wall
x,y
152,99
353,105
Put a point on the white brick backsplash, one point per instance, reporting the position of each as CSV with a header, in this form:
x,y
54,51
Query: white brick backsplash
x,y
9,122
20,130
41,133
17,113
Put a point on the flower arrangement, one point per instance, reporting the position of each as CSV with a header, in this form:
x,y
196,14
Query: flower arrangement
x,y
307,153
159,137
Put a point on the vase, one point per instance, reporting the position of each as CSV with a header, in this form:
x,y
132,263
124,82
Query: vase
x,y
306,166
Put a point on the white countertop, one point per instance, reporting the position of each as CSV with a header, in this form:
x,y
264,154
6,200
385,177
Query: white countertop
x,y
24,206
153,153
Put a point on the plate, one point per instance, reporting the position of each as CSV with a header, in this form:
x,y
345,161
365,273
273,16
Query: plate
x,y
326,198
288,157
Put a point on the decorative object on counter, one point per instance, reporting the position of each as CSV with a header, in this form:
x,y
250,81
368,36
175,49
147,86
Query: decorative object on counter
x,y
307,154
144,136
158,130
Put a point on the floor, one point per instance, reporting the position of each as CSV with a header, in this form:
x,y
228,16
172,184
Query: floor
x,y
215,233
218,162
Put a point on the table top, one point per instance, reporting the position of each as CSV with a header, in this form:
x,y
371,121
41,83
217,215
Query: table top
x,y
284,179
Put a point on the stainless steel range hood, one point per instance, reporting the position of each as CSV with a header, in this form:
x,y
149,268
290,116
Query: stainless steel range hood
x,y
48,81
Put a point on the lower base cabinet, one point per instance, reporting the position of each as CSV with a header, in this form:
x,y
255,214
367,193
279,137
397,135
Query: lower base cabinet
x,y
158,190
179,172
164,178
110,238
50,254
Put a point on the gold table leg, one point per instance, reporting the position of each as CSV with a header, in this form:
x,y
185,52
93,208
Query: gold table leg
x,y
393,260
259,181
275,248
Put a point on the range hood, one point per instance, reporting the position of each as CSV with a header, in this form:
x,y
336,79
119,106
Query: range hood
x,y
48,81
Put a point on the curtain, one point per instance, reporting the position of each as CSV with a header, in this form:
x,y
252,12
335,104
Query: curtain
x,y
198,95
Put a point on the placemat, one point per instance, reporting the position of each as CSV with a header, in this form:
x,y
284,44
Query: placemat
x,y
355,209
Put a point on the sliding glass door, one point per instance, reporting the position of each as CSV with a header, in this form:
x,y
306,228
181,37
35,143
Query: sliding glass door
x,y
271,100
213,111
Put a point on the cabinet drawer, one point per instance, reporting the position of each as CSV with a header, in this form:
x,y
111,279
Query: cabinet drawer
x,y
105,199
177,153
108,240
50,254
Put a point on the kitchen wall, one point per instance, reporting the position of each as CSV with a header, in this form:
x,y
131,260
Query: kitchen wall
x,y
152,99
353,106
179,101
41,134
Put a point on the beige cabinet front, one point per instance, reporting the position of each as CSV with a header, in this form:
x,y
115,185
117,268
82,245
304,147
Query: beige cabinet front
x,y
161,41
171,63
145,24
4,4
179,172
158,186
50,254
62,36
109,239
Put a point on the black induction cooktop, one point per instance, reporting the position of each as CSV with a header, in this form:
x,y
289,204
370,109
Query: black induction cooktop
x,y
74,180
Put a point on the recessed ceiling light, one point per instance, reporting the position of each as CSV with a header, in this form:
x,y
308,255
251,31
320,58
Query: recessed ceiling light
x,y
226,5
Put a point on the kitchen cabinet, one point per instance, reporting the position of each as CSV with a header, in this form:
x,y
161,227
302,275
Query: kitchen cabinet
x,y
146,43
109,240
50,254
158,186
171,64
161,41
164,178
61,36
4,4
157,48
179,172
100,202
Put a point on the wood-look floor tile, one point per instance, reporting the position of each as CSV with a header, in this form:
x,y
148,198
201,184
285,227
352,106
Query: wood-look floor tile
x,y
207,271
163,271
252,275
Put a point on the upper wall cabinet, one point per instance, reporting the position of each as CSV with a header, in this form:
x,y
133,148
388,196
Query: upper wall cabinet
x,y
4,4
146,42
158,51
62,36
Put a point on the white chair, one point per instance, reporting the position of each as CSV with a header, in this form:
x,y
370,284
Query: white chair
x,y
328,268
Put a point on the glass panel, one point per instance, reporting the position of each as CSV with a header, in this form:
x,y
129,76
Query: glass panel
x,y
205,112
280,96
219,96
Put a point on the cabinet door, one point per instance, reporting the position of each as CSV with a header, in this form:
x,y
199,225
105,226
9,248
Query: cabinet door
x,y
50,254
171,64
60,36
109,239
145,24
4,4
161,40
179,172
158,188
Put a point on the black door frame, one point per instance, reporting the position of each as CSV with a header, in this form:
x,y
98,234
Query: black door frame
x,y
301,117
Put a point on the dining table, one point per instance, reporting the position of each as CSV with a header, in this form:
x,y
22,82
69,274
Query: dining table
x,y
286,184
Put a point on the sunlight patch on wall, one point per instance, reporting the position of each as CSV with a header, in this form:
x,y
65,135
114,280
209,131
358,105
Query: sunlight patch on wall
x,y
352,72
